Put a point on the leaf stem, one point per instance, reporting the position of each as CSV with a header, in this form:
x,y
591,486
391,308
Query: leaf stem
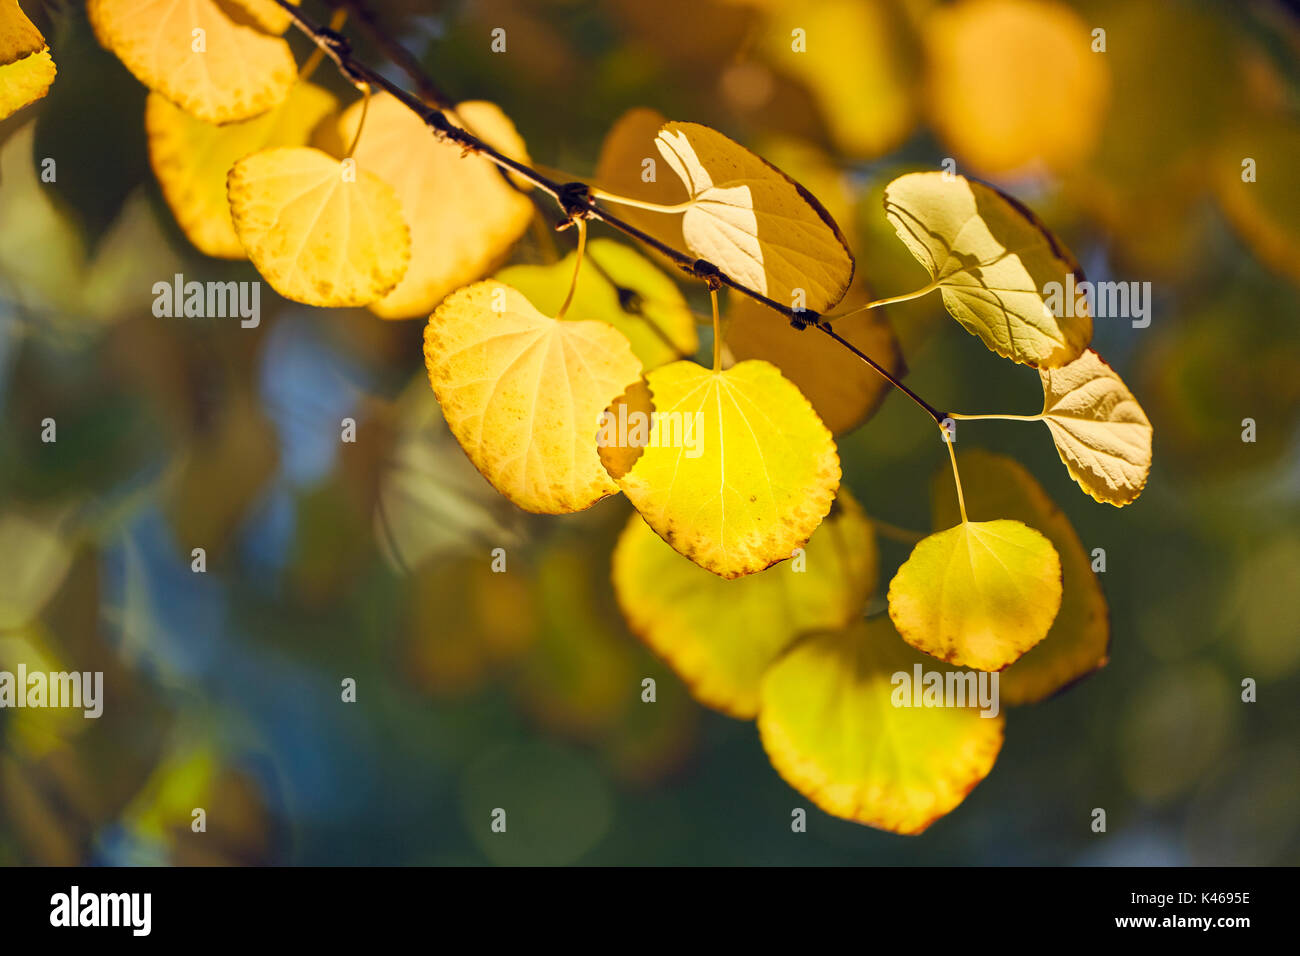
x,y
361,123
577,268
956,476
890,301
640,204
717,332
1009,418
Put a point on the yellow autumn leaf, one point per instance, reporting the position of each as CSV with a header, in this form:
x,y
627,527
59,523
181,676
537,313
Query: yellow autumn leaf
x,y
267,15
19,37
1014,86
753,222
994,264
843,389
735,470
620,286
830,725
524,393
979,594
996,486
464,215
674,606
319,231
25,81
192,53
192,159
1100,430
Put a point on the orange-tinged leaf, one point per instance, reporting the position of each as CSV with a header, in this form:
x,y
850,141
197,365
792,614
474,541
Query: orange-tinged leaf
x,y
25,81
738,470
523,393
19,37
192,159
979,594
192,53
1100,430
317,233
464,215
720,636
828,721
1076,645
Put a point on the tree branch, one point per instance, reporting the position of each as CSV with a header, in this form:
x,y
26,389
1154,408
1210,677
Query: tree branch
x,y
574,198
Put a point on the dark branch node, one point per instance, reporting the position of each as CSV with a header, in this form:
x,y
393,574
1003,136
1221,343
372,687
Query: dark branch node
x,y
575,200
706,270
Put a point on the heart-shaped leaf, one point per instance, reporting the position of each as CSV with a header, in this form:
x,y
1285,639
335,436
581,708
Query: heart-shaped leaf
x,y
524,393
979,594
994,264
320,232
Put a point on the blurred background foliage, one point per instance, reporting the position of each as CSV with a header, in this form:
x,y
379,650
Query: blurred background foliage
x,y
521,690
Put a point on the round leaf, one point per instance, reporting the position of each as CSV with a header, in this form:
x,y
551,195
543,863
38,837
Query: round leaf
x,y
996,486
738,470
673,605
192,159
829,725
523,393
977,595
1100,430
316,233
753,222
464,215
234,73
992,261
